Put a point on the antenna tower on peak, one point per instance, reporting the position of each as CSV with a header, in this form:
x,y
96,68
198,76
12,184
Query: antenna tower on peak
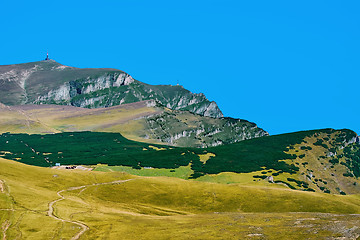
x,y
47,56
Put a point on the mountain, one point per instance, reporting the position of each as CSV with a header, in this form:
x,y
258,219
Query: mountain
x,y
49,82
115,158
161,113
141,121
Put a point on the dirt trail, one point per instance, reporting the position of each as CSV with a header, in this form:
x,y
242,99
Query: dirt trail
x,y
4,228
2,188
83,226
31,119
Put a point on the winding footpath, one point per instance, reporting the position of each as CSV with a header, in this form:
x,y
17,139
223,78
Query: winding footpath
x,y
5,226
2,187
83,226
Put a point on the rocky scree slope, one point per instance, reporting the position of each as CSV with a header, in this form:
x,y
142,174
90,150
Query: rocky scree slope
x,y
48,82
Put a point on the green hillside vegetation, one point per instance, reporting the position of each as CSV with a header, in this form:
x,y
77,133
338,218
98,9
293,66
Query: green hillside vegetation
x,y
183,172
289,159
113,205
113,149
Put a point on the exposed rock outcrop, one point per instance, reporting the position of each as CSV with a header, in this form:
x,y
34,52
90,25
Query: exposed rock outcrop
x,y
118,88
184,129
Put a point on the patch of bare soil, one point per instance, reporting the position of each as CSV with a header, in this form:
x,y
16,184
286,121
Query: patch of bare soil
x,y
2,187
29,107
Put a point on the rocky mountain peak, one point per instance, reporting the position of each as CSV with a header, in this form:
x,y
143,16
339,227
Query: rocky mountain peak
x,y
49,82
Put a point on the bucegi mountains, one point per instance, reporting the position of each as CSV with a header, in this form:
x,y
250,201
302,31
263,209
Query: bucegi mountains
x,y
47,97
93,153
49,82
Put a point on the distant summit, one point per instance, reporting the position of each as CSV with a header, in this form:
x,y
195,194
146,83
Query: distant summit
x,y
49,82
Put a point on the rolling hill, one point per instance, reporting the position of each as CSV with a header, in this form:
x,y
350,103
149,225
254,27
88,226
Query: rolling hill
x,y
321,160
44,203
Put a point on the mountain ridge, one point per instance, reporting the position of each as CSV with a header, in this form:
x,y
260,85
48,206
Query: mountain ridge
x,y
45,82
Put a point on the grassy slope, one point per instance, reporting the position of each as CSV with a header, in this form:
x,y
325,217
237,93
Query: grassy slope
x,y
163,208
42,119
16,121
136,121
317,170
295,159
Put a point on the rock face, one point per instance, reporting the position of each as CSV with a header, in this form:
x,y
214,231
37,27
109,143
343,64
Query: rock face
x,y
67,92
118,88
48,82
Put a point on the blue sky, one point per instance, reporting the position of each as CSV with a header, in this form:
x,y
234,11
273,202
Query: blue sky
x,y
285,65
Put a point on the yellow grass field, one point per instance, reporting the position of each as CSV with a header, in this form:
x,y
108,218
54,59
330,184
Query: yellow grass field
x,y
45,203
125,119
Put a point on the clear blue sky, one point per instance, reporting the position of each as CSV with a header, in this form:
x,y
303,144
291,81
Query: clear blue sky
x,y
285,65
